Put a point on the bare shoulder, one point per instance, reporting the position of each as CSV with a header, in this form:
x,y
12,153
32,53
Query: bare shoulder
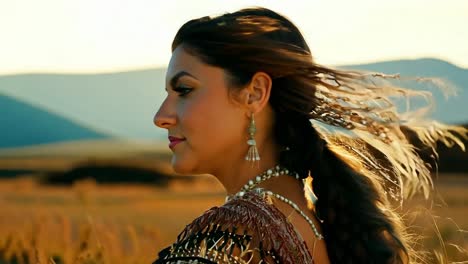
x,y
314,240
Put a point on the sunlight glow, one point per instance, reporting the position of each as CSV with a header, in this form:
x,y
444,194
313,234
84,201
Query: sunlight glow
x,y
116,35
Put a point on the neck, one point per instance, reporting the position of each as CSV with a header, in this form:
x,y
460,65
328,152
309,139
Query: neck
x,y
234,177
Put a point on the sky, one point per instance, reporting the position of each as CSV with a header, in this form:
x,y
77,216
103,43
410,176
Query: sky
x,y
95,36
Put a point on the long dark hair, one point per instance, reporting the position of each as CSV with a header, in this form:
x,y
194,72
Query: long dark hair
x,y
359,223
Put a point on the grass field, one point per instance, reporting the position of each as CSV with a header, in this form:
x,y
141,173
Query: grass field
x,y
90,223
95,223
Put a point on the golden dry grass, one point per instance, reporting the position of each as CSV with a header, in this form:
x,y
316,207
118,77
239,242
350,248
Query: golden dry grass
x,y
91,223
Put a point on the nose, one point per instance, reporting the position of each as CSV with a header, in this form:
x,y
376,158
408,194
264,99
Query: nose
x,y
164,118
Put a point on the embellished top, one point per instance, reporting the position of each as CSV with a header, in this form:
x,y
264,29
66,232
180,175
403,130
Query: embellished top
x,y
247,229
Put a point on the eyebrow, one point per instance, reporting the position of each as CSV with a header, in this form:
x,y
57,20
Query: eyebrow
x,y
176,77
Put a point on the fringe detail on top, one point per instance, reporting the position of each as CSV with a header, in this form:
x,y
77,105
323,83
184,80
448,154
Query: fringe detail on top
x,y
242,230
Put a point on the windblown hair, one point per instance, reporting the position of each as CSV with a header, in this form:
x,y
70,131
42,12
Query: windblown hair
x,y
355,172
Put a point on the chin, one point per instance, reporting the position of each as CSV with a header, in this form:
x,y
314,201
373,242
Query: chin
x,y
185,167
182,167
181,170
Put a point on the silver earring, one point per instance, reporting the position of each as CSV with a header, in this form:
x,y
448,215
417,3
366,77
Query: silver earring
x,y
252,154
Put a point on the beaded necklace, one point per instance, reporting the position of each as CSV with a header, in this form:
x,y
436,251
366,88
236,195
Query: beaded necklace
x,y
268,174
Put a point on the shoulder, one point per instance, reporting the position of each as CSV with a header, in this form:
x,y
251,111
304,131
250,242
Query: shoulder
x,y
246,227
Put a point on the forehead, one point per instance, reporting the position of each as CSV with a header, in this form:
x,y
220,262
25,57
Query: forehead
x,y
181,60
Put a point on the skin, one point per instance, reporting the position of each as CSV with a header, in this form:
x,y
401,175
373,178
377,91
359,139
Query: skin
x,y
214,122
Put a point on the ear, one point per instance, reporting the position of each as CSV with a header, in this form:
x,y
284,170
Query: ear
x,y
257,93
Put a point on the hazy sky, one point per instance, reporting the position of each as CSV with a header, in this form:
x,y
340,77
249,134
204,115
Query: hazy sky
x,y
111,35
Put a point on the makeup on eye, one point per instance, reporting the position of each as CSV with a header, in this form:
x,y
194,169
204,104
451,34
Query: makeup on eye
x,y
182,74
182,90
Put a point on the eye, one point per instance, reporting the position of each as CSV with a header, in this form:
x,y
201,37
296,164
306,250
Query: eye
x,y
182,90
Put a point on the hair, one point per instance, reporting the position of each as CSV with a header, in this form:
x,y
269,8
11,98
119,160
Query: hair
x,y
355,172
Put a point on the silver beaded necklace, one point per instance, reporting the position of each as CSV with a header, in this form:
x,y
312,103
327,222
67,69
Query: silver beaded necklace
x,y
268,174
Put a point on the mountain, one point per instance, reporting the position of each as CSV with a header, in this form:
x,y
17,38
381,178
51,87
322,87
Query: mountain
x,y
124,103
418,67
121,103
450,110
23,125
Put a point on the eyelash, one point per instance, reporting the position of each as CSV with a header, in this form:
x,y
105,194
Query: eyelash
x,y
182,90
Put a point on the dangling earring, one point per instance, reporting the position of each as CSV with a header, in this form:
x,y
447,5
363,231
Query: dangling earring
x,y
252,154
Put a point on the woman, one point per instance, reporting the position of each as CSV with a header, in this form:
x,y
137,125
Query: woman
x,y
242,89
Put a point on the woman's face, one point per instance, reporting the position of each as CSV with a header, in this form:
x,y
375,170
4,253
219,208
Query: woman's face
x,y
198,110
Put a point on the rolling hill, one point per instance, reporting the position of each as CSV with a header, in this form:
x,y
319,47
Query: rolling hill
x,y
451,110
23,125
123,103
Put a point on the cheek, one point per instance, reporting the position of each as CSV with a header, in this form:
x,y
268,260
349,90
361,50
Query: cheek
x,y
194,115
211,122
195,122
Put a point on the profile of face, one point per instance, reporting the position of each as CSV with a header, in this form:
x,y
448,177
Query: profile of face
x,y
199,110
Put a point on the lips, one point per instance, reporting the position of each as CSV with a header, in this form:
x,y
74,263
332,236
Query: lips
x,y
174,141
